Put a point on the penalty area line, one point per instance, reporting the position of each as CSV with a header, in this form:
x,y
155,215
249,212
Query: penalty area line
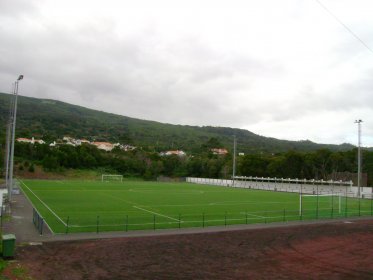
x,y
155,213
255,215
46,206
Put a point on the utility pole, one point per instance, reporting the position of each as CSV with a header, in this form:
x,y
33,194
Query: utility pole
x,y
359,158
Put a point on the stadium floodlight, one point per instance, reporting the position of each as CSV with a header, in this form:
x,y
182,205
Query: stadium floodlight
x,y
359,157
12,137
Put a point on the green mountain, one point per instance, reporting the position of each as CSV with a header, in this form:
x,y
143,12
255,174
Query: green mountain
x,y
51,120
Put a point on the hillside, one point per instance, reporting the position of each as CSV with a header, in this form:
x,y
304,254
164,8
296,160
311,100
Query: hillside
x,y
52,119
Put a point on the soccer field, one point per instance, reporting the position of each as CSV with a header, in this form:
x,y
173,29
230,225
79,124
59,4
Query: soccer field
x,y
86,206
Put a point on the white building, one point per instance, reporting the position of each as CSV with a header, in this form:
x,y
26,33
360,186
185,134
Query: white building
x,y
219,151
106,146
176,153
32,140
127,148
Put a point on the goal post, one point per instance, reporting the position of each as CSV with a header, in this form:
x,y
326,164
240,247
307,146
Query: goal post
x,y
317,202
111,178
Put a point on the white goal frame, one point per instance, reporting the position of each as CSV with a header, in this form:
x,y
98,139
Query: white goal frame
x,y
103,176
339,196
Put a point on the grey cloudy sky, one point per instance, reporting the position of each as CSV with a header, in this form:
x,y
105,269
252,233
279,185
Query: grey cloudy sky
x,y
284,69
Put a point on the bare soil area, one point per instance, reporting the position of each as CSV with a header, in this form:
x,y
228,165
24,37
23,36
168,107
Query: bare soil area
x,y
339,250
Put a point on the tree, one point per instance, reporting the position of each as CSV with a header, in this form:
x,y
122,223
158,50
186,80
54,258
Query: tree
x,y
276,168
31,168
322,162
253,165
210,144
293,165
50,163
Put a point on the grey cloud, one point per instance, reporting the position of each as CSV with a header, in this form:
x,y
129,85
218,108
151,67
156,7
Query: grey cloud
x,y
346,98
181,82
188,84
17,8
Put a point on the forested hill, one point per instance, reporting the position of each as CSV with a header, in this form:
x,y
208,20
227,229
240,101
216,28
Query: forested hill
x,y
51,120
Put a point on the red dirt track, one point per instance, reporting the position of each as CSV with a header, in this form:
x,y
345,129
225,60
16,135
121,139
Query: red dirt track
x,y
337,250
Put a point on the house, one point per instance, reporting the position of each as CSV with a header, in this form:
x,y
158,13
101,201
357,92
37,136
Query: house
x,y
24,140
32,140
106,146
127,148
219,151
79,142
74,142
69,140
176,153
40,141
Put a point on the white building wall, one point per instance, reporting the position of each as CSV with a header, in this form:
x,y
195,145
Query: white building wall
x,y
284,187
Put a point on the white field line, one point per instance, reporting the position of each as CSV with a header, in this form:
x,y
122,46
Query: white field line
x,y
45,204
255,215
222,203
155,213
175,192
134,205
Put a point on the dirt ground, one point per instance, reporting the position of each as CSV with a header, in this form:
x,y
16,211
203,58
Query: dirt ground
x,y
339,250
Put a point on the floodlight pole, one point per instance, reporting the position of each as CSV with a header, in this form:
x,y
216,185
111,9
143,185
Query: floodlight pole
x,y
234,159
8,138
359,158
11,159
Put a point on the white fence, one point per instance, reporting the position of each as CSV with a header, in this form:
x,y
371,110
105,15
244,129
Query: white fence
x,y
287,185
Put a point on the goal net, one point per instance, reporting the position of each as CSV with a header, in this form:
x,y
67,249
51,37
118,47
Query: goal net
x,y
111,178
320,203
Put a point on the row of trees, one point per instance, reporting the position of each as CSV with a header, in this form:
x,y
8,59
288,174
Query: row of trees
x,y
292,164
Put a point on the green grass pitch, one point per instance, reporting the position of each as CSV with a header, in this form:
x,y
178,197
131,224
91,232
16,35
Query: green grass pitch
x,y
89,206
